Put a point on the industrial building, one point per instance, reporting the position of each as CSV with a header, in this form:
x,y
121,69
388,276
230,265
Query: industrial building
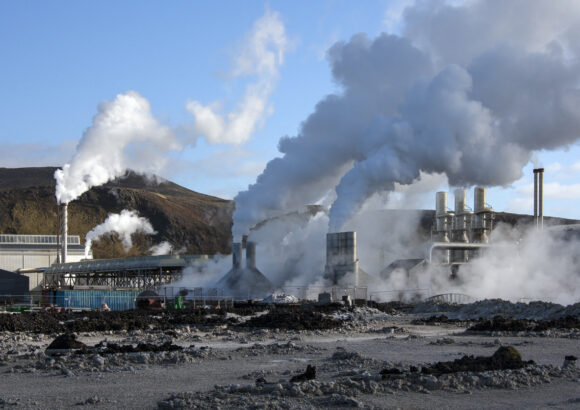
x,y
25,254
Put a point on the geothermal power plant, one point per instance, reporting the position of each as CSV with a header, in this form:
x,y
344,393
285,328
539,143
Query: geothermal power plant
x,y
459,235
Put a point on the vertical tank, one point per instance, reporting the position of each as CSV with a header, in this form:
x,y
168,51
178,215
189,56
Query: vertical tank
x,y
483,217
462,223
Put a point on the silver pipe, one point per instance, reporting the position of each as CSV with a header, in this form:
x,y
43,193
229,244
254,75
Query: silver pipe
x,y
536,197
64,232
541,198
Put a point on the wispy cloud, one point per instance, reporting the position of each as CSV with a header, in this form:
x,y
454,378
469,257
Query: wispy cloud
x,y
262,55
36,154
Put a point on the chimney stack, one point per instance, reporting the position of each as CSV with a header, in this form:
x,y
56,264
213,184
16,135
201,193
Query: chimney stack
x,y
64,232
539,197
251,255
237,255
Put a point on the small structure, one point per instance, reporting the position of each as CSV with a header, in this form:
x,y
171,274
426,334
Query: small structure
x,y
248,282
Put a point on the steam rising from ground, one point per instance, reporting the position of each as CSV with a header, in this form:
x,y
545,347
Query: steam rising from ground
x,y
469,91
124,135
544,266
528,265
163,248
124,224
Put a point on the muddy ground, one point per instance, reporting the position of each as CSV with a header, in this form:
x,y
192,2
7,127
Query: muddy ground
x,y
379,356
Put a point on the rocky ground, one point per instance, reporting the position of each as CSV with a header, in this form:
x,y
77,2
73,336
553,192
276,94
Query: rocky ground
x,y
490,354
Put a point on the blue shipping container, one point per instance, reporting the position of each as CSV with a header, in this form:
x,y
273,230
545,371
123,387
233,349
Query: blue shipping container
x,y
93,299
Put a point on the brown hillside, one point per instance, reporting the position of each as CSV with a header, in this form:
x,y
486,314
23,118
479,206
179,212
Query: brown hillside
x,y
192,222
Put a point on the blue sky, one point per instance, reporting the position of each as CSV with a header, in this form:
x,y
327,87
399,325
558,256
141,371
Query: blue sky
x,y
60,59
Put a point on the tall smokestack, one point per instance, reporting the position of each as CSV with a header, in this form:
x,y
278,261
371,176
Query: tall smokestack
x,y
237,255
539,197
250,255
462,224
442,217
64,232
484,216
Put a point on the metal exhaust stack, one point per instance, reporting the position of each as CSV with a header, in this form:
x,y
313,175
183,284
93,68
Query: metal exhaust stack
x,y
236,255
64,232
462,224
539,197
251,255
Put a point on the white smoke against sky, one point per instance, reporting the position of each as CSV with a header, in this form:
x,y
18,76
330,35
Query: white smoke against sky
x,y
124,135
261,56
470,91
124,224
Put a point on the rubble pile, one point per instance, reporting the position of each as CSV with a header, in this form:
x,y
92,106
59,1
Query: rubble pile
x,y
496,307
296,319
499,323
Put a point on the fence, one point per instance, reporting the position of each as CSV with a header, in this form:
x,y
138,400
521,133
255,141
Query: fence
x,y
400,295
459,298
195,297
336,292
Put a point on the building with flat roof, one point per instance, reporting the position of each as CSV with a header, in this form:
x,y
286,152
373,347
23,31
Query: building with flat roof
x,y
21,253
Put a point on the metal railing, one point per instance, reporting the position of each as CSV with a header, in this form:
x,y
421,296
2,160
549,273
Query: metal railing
x,y
401,295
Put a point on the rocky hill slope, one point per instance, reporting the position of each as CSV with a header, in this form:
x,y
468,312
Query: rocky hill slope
x,y
190,221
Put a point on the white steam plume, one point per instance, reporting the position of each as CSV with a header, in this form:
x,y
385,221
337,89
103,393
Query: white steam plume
x,y
469,91
530,265
163,248
262,56
124,224
124,135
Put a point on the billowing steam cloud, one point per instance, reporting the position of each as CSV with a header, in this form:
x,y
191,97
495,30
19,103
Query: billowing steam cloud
x,y
262,55
124,135
469,91
124,224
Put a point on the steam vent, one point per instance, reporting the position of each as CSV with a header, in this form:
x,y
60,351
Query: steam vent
x,y
248,282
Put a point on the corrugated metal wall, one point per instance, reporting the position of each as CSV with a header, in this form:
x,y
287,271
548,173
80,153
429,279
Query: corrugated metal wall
x,y
93,299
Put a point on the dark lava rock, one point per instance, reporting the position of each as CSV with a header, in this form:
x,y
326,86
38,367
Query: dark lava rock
x,y
297,319
499,323
393,371
309,374
66,341
506,357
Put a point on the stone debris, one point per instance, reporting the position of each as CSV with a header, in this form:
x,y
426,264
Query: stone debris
x,y
347,391
309,374
506,357
67,341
